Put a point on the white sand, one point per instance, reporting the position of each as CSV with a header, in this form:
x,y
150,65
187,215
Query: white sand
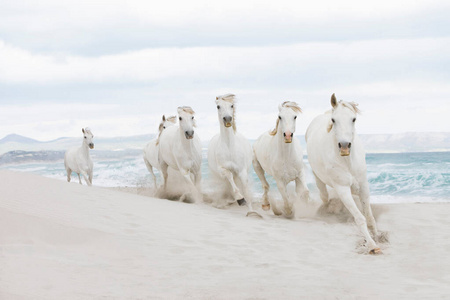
x,y
66,241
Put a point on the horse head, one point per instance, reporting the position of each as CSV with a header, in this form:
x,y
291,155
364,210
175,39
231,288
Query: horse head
x,y
342,123
187,122
287,115
88,136
226,110
166,122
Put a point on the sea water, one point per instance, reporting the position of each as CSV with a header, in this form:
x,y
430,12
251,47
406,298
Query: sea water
x,y
393,178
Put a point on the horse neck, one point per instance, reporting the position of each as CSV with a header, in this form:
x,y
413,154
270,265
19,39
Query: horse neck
x,y
227,135
283,149
84,149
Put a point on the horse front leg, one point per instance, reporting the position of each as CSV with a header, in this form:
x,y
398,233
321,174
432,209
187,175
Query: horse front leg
x,y
288,207
265,185
300,187
243,177
364,195
86,178
164,173
345,195
322,189
187,178
236,193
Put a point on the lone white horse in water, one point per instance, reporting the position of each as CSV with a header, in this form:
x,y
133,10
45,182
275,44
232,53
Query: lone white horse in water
x,y
230,153
279,154
151,149
337,159
78,160
181,150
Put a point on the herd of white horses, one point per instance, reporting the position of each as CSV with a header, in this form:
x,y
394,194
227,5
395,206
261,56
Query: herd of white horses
x,y
335,153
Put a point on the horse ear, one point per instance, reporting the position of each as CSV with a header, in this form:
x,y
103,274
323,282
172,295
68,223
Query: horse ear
x,y
333,100
164,118
82,129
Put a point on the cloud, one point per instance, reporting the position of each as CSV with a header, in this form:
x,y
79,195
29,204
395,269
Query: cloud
x,y
88,28
281,65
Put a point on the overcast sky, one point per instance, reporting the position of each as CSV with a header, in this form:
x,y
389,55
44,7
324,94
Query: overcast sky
x,y
117,66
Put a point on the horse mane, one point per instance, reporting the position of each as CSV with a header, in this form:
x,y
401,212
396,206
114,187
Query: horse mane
x,y
230,98
289,104
351,105
186,109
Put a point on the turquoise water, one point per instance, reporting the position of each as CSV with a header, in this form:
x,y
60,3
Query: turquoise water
x,y
399,177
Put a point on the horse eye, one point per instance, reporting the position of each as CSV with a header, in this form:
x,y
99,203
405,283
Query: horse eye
x,y
85,137
218,106
164,127
232,106
279,117
180,118
332,120
295,117
354,119
192,118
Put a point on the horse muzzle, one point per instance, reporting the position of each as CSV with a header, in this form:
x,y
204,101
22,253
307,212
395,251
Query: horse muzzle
x,y
91,145
288,137
227,121
189,134
344,148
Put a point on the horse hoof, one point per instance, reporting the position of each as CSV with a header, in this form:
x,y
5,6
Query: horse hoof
x,y
265,206
375,251
241,202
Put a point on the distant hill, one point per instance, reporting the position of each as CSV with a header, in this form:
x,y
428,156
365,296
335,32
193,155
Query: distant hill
x,y
374,143
15,138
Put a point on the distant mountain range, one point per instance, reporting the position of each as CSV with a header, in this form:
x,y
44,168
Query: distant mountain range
x,y
374,143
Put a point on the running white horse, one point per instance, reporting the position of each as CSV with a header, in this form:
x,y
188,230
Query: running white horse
x,y
151,149
230,153
280,155
337,159
78,160
181,150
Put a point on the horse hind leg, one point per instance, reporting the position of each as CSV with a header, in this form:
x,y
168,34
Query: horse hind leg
x,y
150,170
79,178
69,173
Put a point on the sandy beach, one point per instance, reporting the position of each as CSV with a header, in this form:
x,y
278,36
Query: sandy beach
x,y
66,241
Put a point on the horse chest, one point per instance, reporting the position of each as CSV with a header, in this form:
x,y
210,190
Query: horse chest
x,y
287,172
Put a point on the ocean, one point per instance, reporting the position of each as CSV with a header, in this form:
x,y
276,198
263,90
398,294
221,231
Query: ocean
x,y
393,177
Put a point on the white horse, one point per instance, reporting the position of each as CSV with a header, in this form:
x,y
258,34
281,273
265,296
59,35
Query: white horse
x,y
78,160
337,159
151,149
279,154
181,150
230,153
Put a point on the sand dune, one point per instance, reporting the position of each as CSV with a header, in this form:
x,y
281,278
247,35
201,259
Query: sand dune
x,y
66,241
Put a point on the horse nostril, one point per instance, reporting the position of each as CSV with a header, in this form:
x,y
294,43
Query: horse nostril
x,y
292,134
349,145
340,146
284,133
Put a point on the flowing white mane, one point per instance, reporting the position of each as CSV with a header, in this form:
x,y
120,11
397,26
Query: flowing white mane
x,y
292,105
186,109
350,105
